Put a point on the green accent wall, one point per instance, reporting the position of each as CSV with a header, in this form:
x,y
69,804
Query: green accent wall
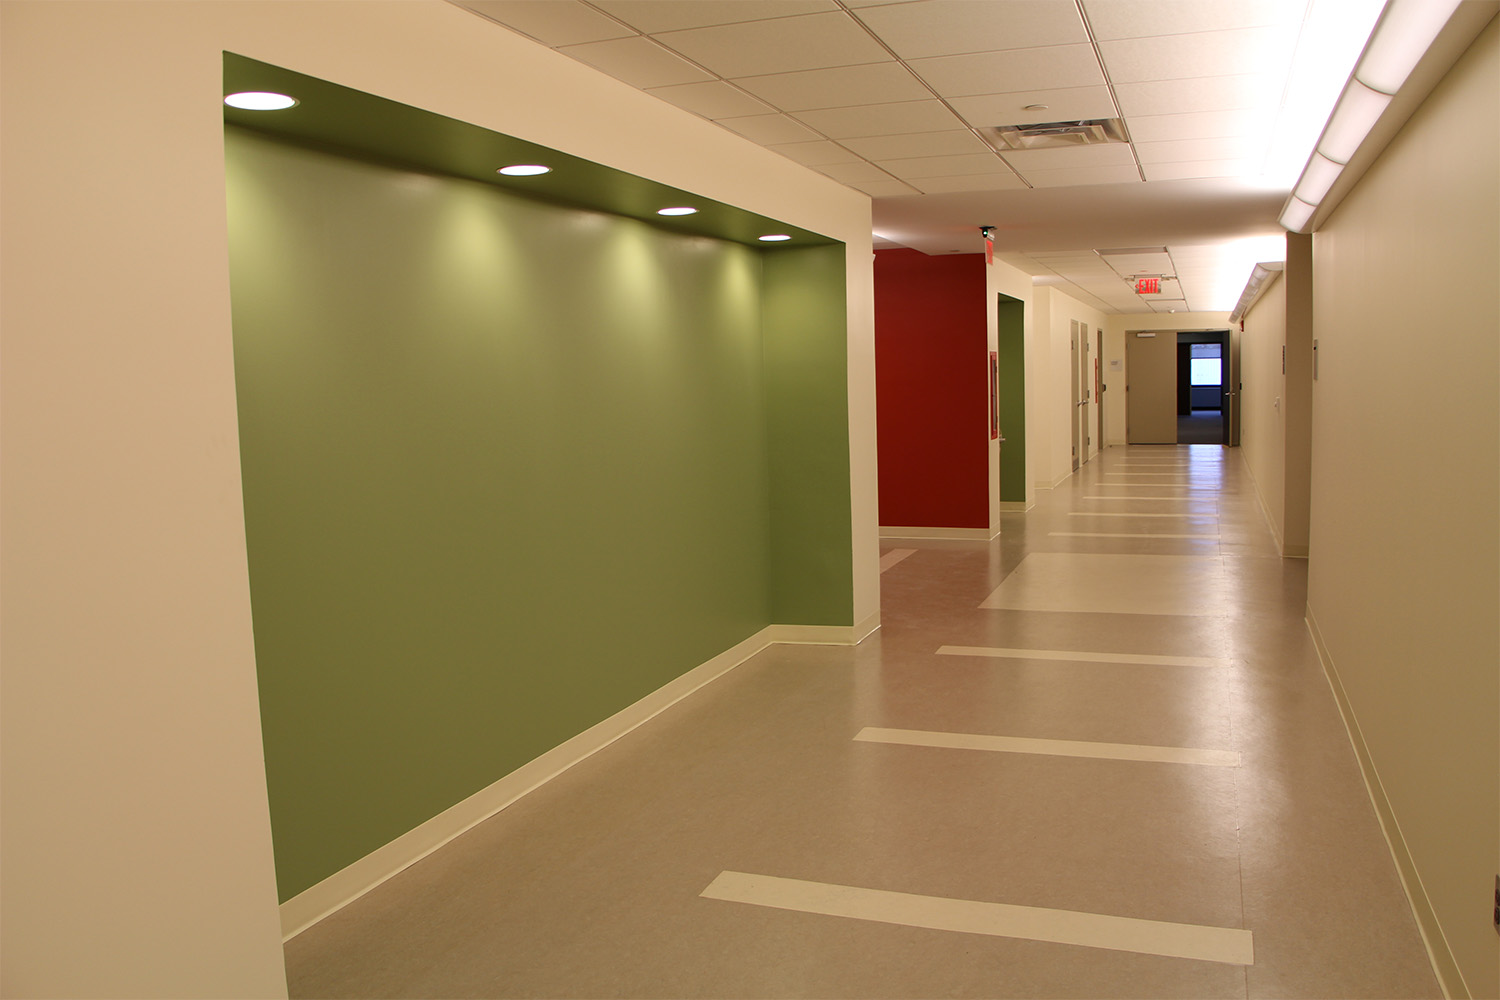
x,y
509,466
1011,407
807,407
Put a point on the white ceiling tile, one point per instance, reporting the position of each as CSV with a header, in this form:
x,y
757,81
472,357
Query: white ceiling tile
x,y
565,22
714,99
1012,70
889,147
846,86
877,3
1074,176
783,45
1187,150
767,129
672,15
881,119
1204,53
854,173
971,182
639,62
1200,125
949,27
1142,262
815,153
1115,154
1111,19
945,166
885,189
1200,168
1168,305
1071,104
1212,93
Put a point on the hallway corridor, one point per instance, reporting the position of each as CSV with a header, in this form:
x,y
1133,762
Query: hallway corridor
x,y
1094,757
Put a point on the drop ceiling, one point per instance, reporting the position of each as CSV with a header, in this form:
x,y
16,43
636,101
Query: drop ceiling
x,y
900,99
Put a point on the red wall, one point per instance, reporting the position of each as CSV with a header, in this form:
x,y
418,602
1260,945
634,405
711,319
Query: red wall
x,y
932,389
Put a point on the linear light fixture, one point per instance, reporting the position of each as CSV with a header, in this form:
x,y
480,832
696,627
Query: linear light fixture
x,y
1403,35
1264,275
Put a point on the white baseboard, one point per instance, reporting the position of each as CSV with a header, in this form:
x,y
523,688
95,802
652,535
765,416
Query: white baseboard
x,y
348,884
1265,508
823,635
981,534
1444,965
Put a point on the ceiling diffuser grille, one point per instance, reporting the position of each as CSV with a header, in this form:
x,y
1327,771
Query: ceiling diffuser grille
x,y
1055,135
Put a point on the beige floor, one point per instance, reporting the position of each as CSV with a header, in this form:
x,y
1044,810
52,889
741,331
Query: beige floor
x,y
592,885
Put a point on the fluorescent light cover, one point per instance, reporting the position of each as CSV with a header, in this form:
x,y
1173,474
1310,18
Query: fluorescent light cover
x,y
774,238
1358,110
524,170
682,210
260,100
1332,38
1296,214
1319,176
1401,40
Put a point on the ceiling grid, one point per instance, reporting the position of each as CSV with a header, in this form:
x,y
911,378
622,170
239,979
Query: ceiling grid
x,y
901,99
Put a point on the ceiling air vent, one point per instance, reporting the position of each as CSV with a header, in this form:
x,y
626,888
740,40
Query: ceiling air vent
x,y
1055,135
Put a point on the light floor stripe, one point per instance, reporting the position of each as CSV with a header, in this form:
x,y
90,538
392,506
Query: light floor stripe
x,y
1154,659
1227,945
1184,496
1123,513
1123,534
892,557
1051,748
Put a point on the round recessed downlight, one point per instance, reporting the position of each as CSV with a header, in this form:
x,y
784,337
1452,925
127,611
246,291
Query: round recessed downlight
x,y
680,210
774,238
260,100
525,170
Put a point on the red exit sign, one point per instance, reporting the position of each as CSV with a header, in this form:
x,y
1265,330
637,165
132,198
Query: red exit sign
x,y
1147,286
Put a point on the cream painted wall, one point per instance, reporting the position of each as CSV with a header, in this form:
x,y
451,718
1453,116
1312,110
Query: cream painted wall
x,y
1115,327
1061,310
1001,278
1262,403
136,840
1404,576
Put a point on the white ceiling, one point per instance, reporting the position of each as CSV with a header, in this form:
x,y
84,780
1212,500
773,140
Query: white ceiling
x,y
899,99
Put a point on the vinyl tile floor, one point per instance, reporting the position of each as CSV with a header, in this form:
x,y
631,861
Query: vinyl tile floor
x,y
1094,757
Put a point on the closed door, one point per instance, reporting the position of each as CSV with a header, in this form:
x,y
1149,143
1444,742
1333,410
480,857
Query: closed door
x,y
1151,388
1074,366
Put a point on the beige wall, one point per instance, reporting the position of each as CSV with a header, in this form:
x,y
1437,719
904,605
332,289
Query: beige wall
x,y
1115,327
136,841
1055,339
1297,501
1405,565
1263,403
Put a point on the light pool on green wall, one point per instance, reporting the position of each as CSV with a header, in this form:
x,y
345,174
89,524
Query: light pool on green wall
x,y
509,466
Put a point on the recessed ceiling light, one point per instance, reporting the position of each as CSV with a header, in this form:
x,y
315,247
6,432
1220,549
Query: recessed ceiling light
x,y
680,210
524,170
774,238
260,100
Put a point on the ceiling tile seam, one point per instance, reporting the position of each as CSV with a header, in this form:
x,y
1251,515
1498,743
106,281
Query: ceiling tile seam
x,y
728,82
1286,85
1110,84
930,89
